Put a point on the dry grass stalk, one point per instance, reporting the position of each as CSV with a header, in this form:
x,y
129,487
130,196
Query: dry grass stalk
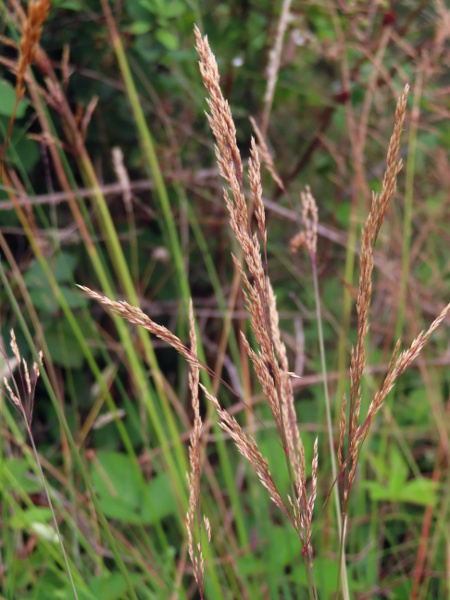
x,y
274,61
270,362
380,204
193,516
310,216
265,155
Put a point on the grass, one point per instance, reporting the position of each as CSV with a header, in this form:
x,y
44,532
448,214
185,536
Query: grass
x,y
111,445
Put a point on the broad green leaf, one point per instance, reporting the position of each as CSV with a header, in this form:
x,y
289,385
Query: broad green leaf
x,y
62,343
8,99
20,470
167,39
62,265
121,494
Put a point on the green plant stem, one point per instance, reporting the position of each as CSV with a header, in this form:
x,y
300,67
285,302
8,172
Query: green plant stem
x,y
68,433
50,503
342,562
150,154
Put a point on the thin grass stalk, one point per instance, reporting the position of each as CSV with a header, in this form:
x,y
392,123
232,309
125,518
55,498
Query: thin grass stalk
x,y
274,63
123,274
19,502
357,202
150,153
67,432
100,380
25,409
117,257
408,203
79,334
342,560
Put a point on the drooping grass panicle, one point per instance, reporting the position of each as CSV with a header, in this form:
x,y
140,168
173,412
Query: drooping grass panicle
x,y
134,315
248,448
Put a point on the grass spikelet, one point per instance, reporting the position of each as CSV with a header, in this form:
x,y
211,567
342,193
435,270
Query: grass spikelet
x,y
193,517
37,15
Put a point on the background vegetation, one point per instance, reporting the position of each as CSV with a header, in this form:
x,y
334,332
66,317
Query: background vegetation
x,y
110,181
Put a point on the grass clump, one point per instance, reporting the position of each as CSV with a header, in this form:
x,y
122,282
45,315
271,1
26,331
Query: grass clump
x,y
270,359
269,356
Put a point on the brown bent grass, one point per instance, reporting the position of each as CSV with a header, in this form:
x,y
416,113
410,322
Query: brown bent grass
x,y
270,359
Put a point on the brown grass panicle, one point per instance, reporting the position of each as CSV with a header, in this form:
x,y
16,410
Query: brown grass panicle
x,y
357,433
22,399
32,30
269,361
193,516
31,34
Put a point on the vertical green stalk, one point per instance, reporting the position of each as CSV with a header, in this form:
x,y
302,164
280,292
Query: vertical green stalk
x,y
150,153
343,566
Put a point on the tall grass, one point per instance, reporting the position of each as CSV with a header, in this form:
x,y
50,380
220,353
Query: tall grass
x,y
127,520
270,360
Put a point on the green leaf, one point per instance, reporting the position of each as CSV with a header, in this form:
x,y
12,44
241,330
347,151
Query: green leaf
x,y
8,100
167,39
62,343
109,586
121,493
420,491
62,266
20,470
28,517
285,547
140,27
